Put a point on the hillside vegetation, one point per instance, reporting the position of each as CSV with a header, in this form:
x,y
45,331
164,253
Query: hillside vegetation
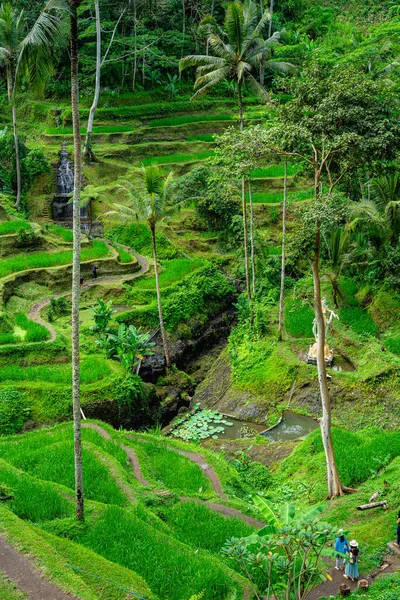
x,y
240,176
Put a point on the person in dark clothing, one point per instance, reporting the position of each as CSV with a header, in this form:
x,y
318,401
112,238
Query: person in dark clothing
x,y
398,529
94,271
81,280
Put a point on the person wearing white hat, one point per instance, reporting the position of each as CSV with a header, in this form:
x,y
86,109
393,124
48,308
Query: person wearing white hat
x,y
352,564
341,547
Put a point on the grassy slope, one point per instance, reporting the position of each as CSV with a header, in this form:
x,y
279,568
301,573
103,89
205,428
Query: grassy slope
x,y
171,562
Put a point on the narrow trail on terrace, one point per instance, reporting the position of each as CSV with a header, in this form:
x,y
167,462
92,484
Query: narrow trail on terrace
x,y
198,459
21,571
36,309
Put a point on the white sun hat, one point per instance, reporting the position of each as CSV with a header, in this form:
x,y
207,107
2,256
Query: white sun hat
x,y
354,543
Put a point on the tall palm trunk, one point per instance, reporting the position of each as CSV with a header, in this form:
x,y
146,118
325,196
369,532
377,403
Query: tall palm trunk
x,y
17,159
80,511
271,10
160,315
280,326
88,152
244,206
252,253
335,487
11,99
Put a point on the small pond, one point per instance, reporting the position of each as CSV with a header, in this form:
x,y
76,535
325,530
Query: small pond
x,y
291,427
240,429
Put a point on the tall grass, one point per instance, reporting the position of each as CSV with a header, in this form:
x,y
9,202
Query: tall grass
x,y
171,470
124,256
37,260
197,525
93,369
13,227
57,464
172,570
298,318
201,137
359,320
34,500
277,197
62,232
34,331
274,171
173,270
176,121
177,158
96,129
30,332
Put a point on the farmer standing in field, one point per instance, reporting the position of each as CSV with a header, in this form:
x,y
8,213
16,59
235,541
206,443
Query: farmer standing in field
x,y
94,271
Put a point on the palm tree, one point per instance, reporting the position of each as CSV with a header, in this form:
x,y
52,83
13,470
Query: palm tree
x,y
338,248
76,261
239,53
27,55
150,204
238,47
385,191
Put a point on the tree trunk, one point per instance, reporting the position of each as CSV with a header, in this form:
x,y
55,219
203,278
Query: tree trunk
x,y
246,241
240,103
252,254
80,511
134,46
244,207
88,152
160,315
334,484
11,99
280,326
271,10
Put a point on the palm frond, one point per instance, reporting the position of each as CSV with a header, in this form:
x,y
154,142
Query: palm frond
x,y
224,51
234,25
243,69
199,60
209,26
257,89
216,76
35,50
282,67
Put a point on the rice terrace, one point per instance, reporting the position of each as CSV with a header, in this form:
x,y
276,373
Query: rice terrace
x,y
199,299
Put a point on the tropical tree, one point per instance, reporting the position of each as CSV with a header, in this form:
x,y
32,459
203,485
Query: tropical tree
x,y
27,55
238,47
240,53
152,204
338,248
378,218
331,126
76,259
129,345
283,560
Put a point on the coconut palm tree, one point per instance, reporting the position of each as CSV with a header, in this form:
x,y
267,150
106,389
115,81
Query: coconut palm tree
x,y
27,55
76,261
240,52
238,48
338,248
151,204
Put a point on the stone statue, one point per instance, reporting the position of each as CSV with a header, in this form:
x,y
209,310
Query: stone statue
x,y
329,315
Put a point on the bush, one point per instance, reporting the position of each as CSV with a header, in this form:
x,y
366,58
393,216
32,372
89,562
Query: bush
x,y
13,412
